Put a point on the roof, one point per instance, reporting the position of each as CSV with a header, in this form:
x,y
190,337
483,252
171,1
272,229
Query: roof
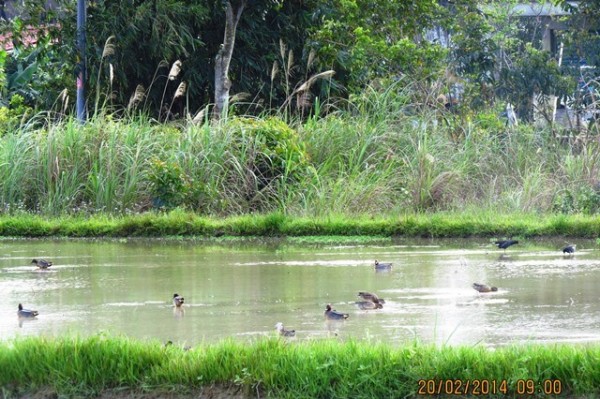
x,y
533,9
28,38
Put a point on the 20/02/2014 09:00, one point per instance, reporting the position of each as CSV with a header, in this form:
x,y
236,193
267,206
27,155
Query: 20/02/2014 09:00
x,y
488,387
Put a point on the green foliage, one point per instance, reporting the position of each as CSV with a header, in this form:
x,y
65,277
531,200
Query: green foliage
x,y
585,200
274,151
474,49
89,367
150,35
36,72
178,223
534,72
169,184
379,46
13,115
384,156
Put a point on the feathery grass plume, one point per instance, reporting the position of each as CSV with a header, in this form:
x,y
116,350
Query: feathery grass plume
x,y
65,105
180,90
136,97
274,70
321,75
282,49
111,73
175,70
109,48
241,96
63,98
290,62
200,116
173,73
305,87
286,67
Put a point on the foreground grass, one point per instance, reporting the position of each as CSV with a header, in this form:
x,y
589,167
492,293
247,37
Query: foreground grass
x,y
179,223
276,368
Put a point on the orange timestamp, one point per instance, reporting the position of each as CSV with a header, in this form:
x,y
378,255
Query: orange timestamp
x,y
477,387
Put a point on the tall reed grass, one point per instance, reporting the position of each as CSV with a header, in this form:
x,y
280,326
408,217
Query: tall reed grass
x,y
379,156
275,368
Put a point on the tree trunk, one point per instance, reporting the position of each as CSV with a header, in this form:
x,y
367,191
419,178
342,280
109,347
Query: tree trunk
x,y
223,59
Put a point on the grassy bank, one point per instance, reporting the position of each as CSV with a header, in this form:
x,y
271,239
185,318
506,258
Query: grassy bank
x,y
380,155
181,223
273,367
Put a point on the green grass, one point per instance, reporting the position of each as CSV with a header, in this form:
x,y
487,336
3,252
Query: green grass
x,y
276,368
188,224
378,155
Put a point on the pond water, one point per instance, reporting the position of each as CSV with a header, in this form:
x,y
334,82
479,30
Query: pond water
x,y
242,289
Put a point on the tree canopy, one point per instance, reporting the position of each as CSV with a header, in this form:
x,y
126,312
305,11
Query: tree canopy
x,y
158,56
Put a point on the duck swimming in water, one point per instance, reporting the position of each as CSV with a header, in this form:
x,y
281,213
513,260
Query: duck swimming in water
x,y
42,263
331,314
283,332
503,244
484,288
177,300
569,249
373,298
382,266
26,312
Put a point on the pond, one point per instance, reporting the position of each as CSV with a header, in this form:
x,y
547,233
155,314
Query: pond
x,y
242,289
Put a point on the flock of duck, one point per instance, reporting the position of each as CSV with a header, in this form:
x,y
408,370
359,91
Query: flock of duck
x,y
27,313
369,300
503,244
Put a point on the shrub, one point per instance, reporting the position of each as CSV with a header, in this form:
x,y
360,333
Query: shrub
x,y
169,184
273,151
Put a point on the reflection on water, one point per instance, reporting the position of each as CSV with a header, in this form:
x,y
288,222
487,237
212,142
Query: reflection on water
x,y
243,290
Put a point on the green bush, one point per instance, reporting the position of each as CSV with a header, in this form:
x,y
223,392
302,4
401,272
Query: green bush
x,y
584,200
273,150
169,183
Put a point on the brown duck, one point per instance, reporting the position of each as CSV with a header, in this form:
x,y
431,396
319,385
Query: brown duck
x,y
373,298
484,288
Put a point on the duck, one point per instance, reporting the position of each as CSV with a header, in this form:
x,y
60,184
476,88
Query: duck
x,y
177,300
373,298
331,314
503,244
484,288
26,312
368,305
382,266
569,249
283,332
42,263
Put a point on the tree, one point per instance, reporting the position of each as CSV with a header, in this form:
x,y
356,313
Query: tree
x,y
223,58
368,40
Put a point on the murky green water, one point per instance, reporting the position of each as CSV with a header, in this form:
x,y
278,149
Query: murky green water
x,y
242,290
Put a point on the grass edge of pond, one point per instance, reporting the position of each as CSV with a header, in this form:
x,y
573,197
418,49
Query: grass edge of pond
x,y
280,368
179,223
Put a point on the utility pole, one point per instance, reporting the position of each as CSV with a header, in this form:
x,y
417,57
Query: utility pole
x,y
81,68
